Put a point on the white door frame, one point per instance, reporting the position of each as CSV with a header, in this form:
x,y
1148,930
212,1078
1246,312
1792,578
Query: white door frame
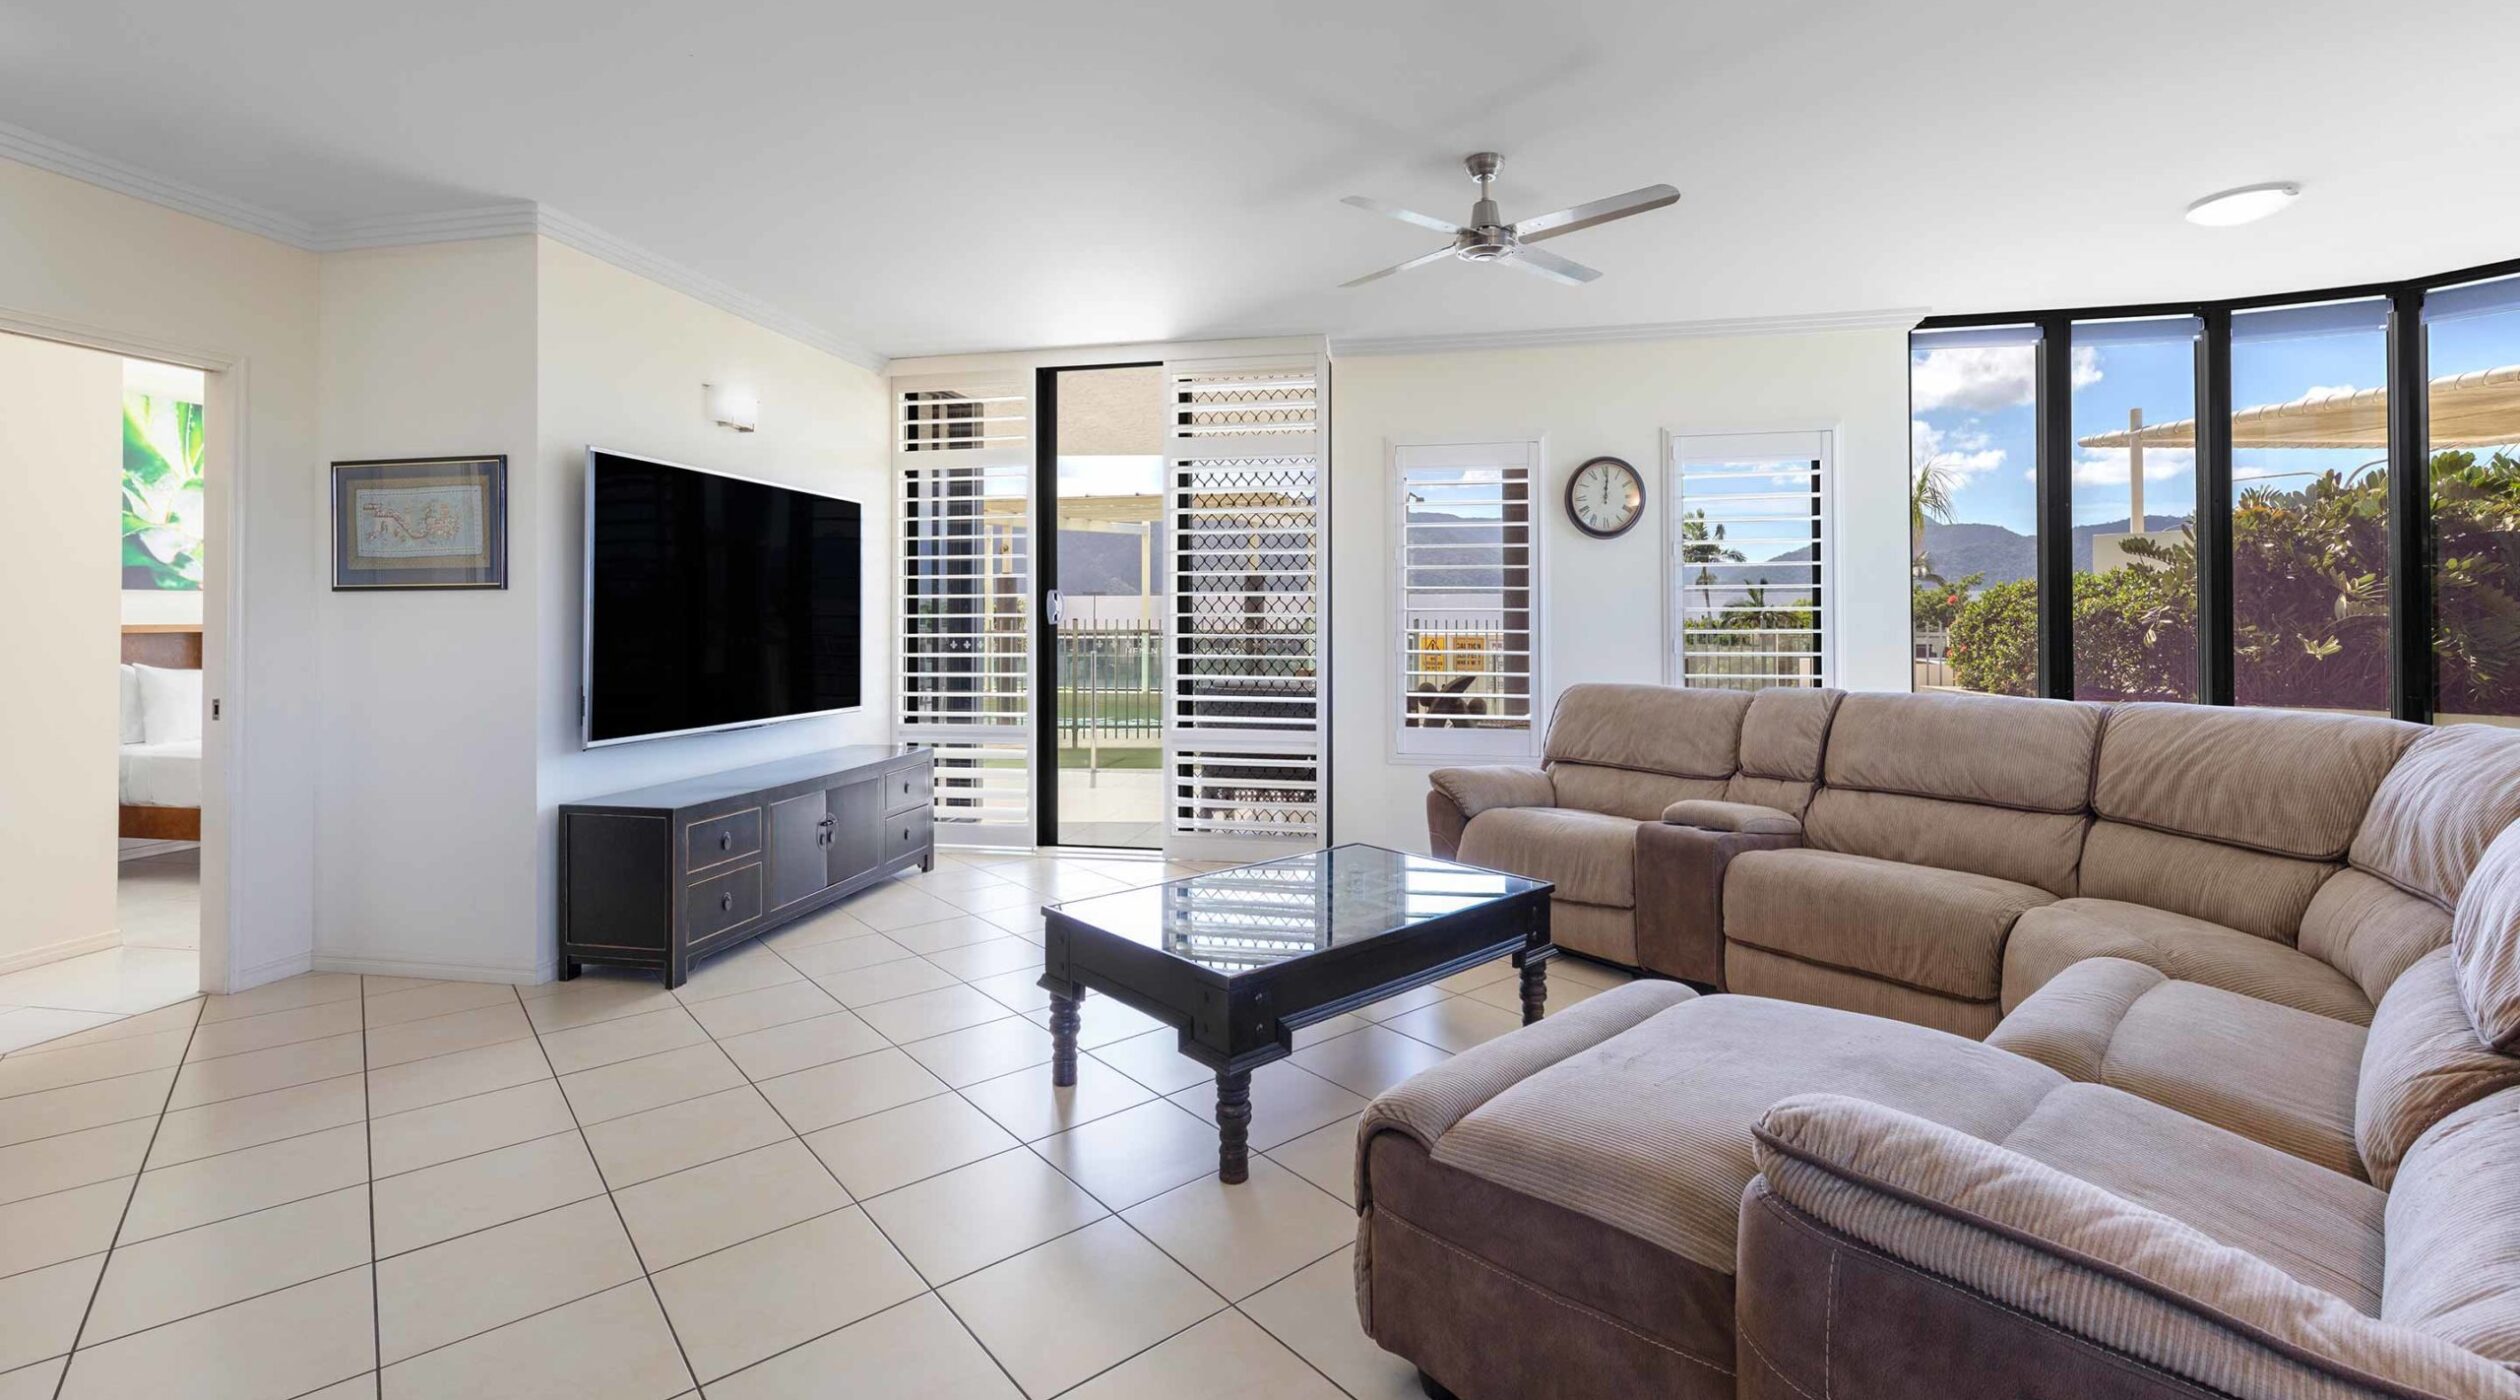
x,y
222,601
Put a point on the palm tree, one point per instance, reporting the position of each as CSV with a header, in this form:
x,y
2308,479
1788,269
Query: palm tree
x,y
1703,544
1930,498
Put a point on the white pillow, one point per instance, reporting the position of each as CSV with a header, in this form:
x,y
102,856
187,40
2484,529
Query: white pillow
x,y
132,732
170,704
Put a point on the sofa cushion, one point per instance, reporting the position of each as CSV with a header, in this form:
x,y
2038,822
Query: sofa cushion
x,y
2050,939
1590,857
2026,848
1756,972
2319,1226
2228,885
2270,1073
2485,939
1652,728
1649,1130
2064,1253
1626,792
1995,750
2454,1231
1594,930
1934,930
1785,732
2281,781
2424,1062
2370,930
2449,796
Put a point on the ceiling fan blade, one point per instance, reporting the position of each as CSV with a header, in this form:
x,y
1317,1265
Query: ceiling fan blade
x,y
1444,252
1551,266
1600,211
1406,216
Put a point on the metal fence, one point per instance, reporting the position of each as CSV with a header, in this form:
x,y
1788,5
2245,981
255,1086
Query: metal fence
x,y
1108,675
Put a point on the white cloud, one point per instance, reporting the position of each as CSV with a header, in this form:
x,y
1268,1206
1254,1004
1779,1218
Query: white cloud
x,y
1986,378
1965,454
2106,466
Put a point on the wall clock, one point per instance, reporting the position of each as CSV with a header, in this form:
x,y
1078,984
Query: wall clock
x,y
1605,498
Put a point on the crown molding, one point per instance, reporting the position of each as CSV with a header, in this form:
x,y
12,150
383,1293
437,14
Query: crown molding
x,y
1893,318
507,219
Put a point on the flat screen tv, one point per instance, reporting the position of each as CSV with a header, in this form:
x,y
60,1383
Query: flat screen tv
x,y
714,602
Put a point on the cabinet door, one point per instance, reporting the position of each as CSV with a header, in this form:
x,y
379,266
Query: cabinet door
x,y
799,866
857,828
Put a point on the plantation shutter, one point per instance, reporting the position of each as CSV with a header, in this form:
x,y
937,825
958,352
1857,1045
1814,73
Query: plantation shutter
x,y
1466,535
1749,553
1247,516
963,463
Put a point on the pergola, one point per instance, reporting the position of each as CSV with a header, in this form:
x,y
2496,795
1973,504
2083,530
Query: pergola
x,y
2478,409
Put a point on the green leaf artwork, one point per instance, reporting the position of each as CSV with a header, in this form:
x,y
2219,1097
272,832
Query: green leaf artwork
x,y
162,501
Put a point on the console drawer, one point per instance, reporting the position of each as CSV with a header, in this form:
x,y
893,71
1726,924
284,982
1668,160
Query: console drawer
x,y
721,839
722,902
906,833
909,789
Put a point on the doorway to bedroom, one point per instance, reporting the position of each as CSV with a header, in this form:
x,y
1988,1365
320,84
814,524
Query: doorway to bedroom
x,y
103,572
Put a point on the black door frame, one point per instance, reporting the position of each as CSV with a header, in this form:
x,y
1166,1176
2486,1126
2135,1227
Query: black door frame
x,y
1045,566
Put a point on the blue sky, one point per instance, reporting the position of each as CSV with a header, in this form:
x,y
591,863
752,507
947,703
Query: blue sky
x,y
1973,409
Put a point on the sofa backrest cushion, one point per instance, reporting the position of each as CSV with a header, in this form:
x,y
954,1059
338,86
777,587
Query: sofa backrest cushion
x,y
2454,791
2238,888
2421,1063
2028,848
2454,1232
2371,930
1651,729
2278,781
1784,737
1627,792
2485,943
1991,750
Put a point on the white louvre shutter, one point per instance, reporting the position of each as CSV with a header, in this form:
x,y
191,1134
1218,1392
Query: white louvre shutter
x,y
1245,681
1466,534
963,463
1749,553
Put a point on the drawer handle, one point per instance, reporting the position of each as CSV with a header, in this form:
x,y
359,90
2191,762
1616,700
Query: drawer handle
x,y
726,840
726,901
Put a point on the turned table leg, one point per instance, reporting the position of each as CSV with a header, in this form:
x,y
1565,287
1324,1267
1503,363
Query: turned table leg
x,y
1233,1127
1064,1021
1535,989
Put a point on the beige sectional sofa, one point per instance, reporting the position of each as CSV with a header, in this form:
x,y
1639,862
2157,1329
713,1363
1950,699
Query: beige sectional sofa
x,y
2244,1120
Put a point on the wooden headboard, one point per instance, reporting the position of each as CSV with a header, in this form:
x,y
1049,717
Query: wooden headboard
x,y
174,646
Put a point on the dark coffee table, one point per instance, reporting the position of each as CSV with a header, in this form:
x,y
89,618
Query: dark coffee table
x,y
1239,960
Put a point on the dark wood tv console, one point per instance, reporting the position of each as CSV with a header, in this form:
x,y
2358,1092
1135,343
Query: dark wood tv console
x,y
667,875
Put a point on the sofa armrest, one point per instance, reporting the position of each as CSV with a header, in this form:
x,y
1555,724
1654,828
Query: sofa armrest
x,y
1747,817
1680,896
1476,790
1863,1216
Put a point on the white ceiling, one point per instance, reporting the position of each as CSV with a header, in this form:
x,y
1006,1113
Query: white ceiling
x,y
923,178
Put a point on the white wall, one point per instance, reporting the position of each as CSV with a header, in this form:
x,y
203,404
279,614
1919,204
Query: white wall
x,y
95,266
620,365
61,561
425,803
1604,598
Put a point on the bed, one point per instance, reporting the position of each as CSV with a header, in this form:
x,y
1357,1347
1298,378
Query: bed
x,y
161,732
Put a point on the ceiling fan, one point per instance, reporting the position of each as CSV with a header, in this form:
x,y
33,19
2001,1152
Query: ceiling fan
x,y
1488,238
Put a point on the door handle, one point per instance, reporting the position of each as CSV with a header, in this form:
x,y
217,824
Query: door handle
x,y
1055,605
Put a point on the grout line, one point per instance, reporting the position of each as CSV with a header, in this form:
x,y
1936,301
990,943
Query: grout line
x,y
367,1124
98,1287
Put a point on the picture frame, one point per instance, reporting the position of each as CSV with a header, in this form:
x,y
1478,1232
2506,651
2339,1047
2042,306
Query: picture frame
x,y
419,522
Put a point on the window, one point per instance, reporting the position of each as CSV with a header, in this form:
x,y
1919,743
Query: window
x,y
2310,506
963,463
2472,362
1973,523
1749,561
2134,501
1467,560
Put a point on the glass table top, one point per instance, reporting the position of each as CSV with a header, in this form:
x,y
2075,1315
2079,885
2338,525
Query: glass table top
x,y
1254,917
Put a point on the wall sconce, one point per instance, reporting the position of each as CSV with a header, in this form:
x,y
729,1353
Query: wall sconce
x,y
731,406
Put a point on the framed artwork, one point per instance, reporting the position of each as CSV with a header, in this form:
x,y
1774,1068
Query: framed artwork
x,y
420,522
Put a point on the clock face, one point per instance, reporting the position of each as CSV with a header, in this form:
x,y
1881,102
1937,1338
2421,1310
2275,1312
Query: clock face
x,y
1605,497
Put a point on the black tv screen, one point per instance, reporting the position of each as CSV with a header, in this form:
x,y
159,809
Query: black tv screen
x,y
713,602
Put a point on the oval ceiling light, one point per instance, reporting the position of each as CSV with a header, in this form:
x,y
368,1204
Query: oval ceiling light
x,y
2245,205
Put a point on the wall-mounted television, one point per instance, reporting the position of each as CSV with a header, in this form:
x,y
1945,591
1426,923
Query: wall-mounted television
x,y
715,602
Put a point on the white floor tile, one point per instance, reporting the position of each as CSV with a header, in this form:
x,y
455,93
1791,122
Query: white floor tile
x,y
1086,1301
785,1049
747,1302
64,1225
651,1081
1369,1061
1240,1239
286,1343
1286,1103
1134,1154
472,1193
159,1280
625,1038
435,999
886,981
863,948
37,1070
1314,1313
1227,1357
853,1088
405,1041
984,1051
208,1189
234,1124
882,1151
40,1310
973,961
446,1077
51,1164
677,1218
1326,1157
588,1001
76,1107
310,990
760,1009
644,1145
424,1137
36,1027
957,931
915,1349
260,1071
1456,1023
1154,1059
745,969
975,1215
1028,1105
615,1345
272,1028
468,1285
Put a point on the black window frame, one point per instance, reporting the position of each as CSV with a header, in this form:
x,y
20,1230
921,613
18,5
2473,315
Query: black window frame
x,y
2410,561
